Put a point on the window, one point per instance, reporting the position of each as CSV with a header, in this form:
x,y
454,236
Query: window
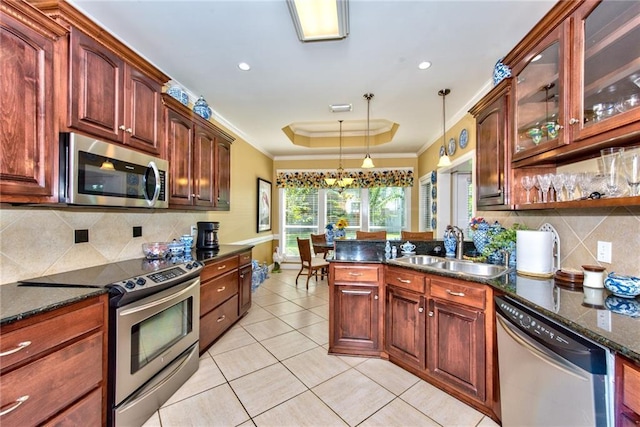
x,y
309,210
427,190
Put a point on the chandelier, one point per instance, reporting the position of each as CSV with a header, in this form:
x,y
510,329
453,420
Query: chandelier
x,y
342,179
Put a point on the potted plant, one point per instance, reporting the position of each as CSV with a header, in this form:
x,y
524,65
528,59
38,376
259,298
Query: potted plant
x,y
502,240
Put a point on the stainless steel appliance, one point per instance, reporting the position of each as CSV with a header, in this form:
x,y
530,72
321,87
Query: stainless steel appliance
x,y
207,235
549,375
153,330
98,173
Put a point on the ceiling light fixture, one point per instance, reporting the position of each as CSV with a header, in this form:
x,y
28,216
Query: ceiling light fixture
x,y
244,66
367,163
444,159
340,108
317,20
424,65
342,180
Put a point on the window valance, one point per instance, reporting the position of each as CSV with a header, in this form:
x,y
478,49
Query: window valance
x,y
361,179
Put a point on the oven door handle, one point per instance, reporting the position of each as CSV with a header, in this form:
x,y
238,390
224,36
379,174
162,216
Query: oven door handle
x,y
540,353
168,298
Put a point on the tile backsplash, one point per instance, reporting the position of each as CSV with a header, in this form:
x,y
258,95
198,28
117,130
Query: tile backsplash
x,y
40,241
581,229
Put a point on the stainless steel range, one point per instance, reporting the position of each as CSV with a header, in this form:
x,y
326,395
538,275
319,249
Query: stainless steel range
x,y
153,330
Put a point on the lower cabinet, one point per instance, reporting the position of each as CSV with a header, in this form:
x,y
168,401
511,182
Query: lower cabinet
x,y
355,325
627,395
224,296
54,367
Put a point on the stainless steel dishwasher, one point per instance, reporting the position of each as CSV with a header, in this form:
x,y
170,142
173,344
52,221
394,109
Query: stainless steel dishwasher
x,y
549,375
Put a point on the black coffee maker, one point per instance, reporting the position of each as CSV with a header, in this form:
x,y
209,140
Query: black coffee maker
x,y
207,235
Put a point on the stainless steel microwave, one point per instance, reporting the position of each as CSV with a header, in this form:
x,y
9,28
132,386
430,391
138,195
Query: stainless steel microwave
x,y
97,173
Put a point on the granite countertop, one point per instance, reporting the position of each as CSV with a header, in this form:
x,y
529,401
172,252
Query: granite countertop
x,y
20,302
571,308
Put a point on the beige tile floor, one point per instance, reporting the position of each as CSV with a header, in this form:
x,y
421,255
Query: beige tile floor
x,y
272,369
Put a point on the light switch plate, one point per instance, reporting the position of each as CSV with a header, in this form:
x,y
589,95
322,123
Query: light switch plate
x,y
604,252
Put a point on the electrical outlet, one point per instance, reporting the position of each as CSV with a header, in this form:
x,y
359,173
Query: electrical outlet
x,y
81,236
137,231
604,252
194,230
604,320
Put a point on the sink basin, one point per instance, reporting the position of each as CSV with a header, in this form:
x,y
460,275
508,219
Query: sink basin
x,y
465,268
474,269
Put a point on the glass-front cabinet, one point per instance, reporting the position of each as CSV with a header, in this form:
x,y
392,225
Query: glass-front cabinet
x,y
608,57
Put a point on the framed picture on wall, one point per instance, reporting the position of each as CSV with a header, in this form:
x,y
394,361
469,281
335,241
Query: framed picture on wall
x,y
264,205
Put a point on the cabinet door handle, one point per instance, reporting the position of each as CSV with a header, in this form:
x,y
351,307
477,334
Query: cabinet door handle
x,y
122,127
355,274
455,294
403,280
19,401
221,318
356,292
242,276
222,267
129,130
20,346
574,121
222,288
431,314
375,297
420,309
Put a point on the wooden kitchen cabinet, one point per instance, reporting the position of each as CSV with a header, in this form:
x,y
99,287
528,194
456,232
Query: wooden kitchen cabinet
x,y
54,366
199,159
493,169
627,394
355,307
460,336
244,284
404,323
28,141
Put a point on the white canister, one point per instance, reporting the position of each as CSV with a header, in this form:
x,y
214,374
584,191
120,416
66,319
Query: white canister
x,y
593,276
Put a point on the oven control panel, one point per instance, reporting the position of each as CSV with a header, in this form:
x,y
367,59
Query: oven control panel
x,y
164,277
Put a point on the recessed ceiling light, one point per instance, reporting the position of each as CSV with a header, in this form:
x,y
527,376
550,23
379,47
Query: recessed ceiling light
x,y
340,108
244,66
424,65
538,57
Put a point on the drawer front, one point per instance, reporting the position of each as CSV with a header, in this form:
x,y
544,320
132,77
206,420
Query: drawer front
x,y
356,274
213,324
23,343
216,291
461,293
218,268
244,258
86,412
406,279
52,382
631,388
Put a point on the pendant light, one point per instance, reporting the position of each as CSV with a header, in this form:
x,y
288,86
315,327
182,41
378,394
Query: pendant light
x,y
444,159
367,163
342,180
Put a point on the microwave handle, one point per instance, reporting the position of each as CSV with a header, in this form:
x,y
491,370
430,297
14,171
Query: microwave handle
x,y
152,201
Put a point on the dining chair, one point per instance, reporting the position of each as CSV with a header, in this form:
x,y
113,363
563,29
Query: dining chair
x,y
310,265
371,235
319,242
417,235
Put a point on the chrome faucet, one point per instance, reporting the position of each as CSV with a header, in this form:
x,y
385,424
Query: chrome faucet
x,y
459,235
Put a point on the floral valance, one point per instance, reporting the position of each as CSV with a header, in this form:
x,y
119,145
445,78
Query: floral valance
x,y
361,179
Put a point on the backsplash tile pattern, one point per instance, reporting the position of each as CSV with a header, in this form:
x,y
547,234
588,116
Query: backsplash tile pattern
x,y
581,229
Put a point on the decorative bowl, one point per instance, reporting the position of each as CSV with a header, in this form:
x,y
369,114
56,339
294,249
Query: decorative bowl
x,y
624,306
156,250
623,286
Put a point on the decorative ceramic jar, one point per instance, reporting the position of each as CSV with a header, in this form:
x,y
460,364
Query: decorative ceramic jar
x,y
329,236
339,233
202,109
593,276
500,72
449,245
623,286
481,237
178,93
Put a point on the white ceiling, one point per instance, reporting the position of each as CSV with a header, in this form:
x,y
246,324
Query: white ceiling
x,y
200,43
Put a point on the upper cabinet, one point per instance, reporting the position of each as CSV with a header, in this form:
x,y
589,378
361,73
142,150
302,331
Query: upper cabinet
x,y
112,92
29,42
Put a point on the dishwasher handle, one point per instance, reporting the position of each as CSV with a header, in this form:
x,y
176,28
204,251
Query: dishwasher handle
x,y
540,352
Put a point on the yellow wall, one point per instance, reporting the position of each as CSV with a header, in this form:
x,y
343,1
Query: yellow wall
x,y
428,160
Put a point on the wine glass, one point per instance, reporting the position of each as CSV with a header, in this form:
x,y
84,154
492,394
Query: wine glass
x,y
557,181
545,183
611,162
527,182
631,168
584,182
570,181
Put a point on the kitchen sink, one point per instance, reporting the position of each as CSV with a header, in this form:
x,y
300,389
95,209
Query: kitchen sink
x,y
463,268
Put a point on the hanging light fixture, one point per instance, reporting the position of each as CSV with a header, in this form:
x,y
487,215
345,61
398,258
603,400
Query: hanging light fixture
x,y
444,159
367,163
342,179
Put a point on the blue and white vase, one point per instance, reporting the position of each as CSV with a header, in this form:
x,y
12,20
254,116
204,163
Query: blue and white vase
x,y
178,93
202,109
450,245
340,233
481,237
329,236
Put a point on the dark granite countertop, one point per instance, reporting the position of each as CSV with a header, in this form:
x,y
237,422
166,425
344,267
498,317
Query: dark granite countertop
x,y
20,302
571,308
